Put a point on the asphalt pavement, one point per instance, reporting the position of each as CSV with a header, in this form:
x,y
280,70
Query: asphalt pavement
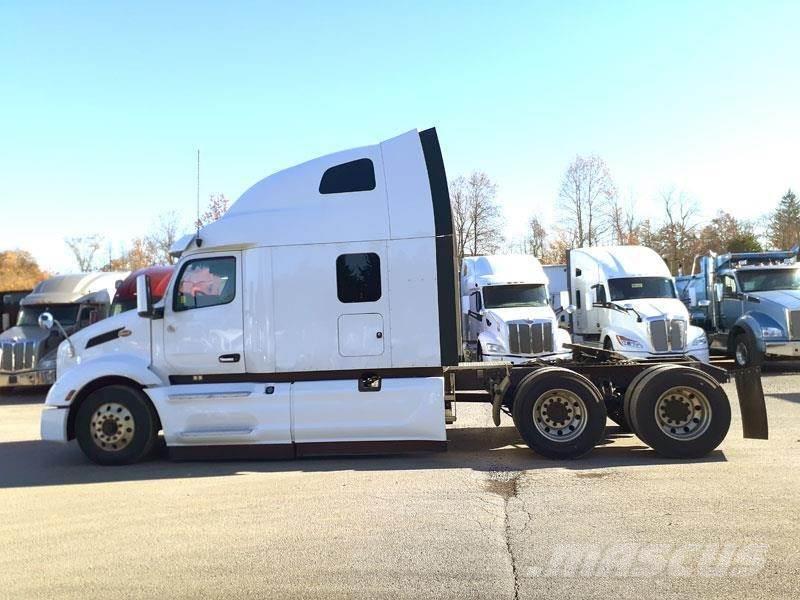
x,y
487,519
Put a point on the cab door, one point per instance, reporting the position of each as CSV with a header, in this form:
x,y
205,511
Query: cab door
x,y
202,324
731,302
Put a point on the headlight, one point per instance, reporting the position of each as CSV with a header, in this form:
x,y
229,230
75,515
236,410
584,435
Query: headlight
x,y
627,342
771,332
700,341
494,348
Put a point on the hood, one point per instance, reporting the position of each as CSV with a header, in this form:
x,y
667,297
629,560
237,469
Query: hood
x,y
26,333
521,313
787,298
656,307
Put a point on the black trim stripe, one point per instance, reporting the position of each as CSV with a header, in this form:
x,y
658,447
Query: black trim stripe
x,y
288,451
446,268
293,376
108,336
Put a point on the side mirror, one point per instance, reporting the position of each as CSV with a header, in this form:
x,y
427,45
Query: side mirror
x,y
570,309
704,303
144,303
46,321
719,291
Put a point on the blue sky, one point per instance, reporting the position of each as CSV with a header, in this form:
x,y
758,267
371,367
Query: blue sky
x,y
103,104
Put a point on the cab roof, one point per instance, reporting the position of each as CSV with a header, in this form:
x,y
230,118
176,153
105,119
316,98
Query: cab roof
x,y
64,289
626,261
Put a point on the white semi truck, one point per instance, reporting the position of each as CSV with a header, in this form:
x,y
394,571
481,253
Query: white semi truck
x,y
623,298
28,354
320,315
506,311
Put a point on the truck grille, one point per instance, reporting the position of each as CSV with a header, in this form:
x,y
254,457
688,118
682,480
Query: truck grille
x,y
17,356
794,324
530,338
668,335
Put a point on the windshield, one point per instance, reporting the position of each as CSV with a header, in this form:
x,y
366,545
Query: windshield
x,y
637,288
66,314
769,279
512,296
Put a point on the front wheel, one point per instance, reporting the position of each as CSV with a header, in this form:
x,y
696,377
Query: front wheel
x,y
116,425
745,352
559,413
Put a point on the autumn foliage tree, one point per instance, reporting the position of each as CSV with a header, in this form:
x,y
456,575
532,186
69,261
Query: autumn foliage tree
x,y
19,271
218,205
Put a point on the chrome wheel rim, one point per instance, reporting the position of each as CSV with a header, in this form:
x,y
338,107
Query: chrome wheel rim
x,y
742,353
112,427
683,413
559,415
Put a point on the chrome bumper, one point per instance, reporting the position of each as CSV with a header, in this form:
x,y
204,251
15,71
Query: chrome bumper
x,y
784,349
28,378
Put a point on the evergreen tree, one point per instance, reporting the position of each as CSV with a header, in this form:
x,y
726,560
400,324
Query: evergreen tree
x,y
784,223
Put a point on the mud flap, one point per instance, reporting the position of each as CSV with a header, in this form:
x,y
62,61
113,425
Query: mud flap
x,y
751,403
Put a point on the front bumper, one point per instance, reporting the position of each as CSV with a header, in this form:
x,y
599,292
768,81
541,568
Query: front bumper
x,y
53,424
28,378
783,349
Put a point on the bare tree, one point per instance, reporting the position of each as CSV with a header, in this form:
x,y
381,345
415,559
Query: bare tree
x,y
158,242
587,190
624,224
84,248
676,240
477,220
535,238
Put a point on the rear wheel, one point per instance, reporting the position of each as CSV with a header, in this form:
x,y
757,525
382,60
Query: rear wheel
x,y
559,413
679,411
116,425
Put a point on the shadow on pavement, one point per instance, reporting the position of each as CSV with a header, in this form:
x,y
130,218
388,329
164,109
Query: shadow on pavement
x,y
786,396
484,449
34,395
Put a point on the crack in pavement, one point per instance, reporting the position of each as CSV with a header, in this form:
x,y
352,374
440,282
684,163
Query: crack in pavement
x,y
506,485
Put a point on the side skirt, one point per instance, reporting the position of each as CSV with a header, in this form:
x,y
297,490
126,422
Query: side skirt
x,y
290,451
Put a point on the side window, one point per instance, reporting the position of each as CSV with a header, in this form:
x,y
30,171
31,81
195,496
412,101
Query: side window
x,y
353,176
358,277
729,286
205,282
601,294
475,304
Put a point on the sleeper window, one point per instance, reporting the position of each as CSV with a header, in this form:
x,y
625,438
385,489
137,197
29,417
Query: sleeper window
x,y
205,282
358,277
353,176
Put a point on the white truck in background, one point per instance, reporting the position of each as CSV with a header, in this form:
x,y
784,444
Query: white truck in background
x,y
506,310
624,299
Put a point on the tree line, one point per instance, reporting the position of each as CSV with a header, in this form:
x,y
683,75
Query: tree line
x,y
590,213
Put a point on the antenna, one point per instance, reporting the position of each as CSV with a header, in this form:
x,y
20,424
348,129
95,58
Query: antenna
x,y
197,222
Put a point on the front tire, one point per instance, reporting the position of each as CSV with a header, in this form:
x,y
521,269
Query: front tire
x,y
559,413
116,425
745,352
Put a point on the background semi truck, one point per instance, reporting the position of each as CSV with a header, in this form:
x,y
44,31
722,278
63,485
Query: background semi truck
x,y
748,304
506,311
320,315
623,298
27,353
125,295
9,309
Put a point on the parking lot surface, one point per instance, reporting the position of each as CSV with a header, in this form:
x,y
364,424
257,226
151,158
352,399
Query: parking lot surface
x,y
488,518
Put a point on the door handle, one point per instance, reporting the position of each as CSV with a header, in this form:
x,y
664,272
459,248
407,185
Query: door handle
x,y
229,358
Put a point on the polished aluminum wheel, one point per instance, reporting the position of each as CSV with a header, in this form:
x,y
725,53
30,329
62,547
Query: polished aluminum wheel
x,y
112,427
742,354
683,413
559,415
